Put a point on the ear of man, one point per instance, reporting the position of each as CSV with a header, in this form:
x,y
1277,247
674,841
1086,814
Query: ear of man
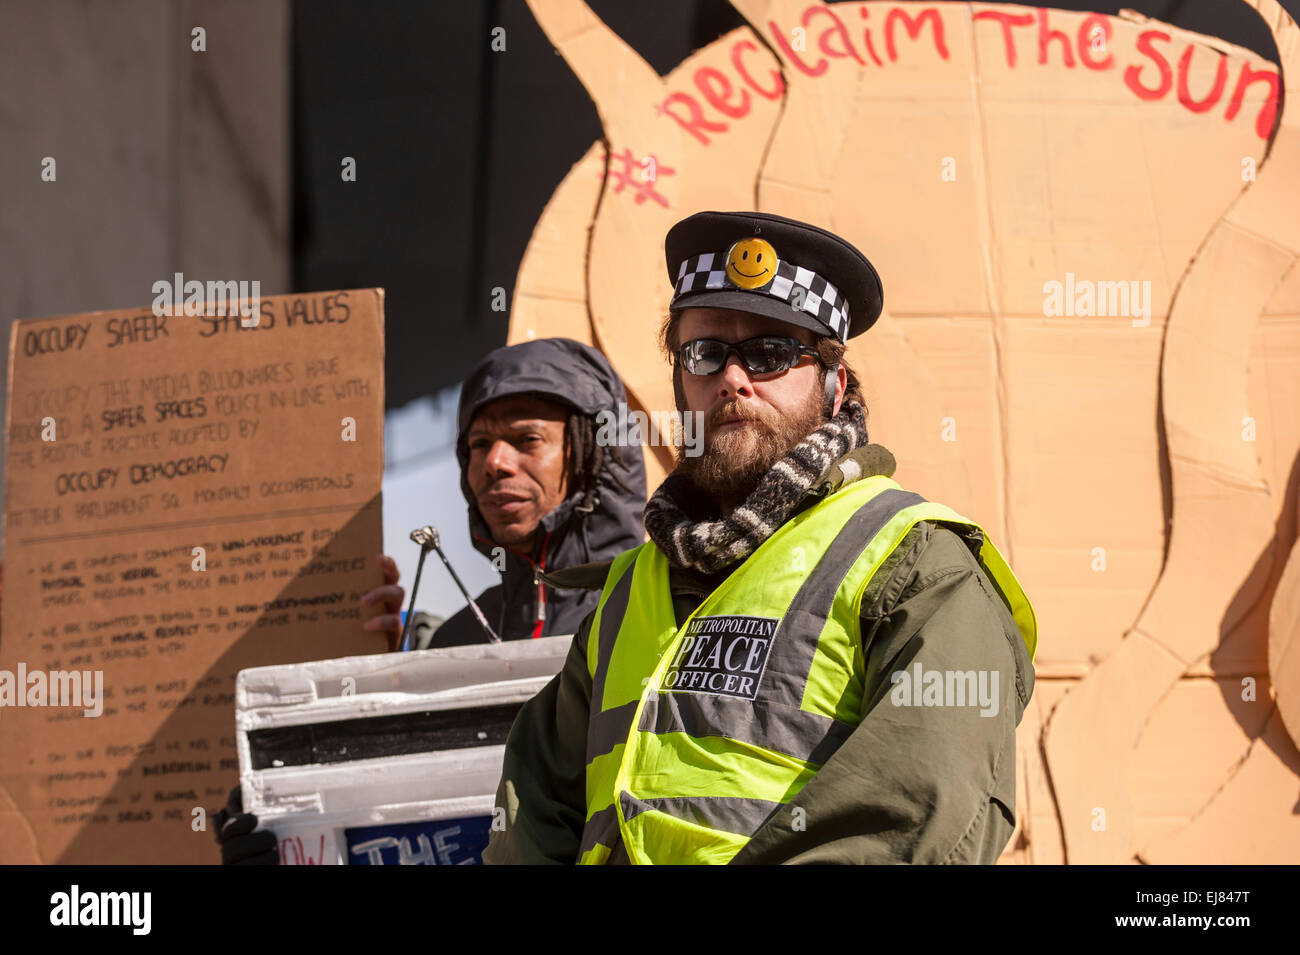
x,y
832,353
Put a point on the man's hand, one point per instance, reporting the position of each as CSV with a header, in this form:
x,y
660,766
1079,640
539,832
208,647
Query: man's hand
x,y
389,596
240,845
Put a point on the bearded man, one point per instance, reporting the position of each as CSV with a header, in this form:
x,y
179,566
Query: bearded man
x,y
805,663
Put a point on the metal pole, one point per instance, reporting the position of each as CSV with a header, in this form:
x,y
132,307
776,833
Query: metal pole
x,y
427,538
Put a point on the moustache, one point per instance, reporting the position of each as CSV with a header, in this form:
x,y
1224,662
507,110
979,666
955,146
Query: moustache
x,y
739,411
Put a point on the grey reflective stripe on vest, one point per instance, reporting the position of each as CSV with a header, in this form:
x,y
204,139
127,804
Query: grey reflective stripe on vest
x,y
791,658
607,728
618,854
602,829
794,732
727,813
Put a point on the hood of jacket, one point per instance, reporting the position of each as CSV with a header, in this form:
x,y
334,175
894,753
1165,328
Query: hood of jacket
x,y
570,373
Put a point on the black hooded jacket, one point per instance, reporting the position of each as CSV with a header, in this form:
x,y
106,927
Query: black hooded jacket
x,y
576,532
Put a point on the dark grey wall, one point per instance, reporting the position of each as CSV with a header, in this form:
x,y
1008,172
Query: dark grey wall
x,y
166,159
458,149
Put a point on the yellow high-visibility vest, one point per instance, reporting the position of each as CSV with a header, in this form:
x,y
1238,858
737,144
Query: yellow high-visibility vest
x,y
699,733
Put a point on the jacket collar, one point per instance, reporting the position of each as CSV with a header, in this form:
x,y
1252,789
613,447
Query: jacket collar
x,y
867,461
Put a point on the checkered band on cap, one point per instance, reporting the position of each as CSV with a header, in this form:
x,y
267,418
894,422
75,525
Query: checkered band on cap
x,y
800,288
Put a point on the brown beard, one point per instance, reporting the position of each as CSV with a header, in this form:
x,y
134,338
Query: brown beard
x,y
735,461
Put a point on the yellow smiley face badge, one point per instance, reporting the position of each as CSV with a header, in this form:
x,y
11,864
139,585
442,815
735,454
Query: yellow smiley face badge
x,y
751,263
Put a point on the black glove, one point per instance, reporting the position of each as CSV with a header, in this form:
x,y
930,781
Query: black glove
x,y
240,845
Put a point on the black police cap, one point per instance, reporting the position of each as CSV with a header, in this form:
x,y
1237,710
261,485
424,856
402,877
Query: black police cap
x,y
770,265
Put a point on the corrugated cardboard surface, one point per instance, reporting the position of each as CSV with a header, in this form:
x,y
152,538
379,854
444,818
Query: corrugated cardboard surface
x,y
1139,470
288,520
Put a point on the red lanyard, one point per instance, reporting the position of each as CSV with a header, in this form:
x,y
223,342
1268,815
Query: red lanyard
x,y
541,588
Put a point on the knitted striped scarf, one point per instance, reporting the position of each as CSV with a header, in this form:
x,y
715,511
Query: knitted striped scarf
x,y
678,519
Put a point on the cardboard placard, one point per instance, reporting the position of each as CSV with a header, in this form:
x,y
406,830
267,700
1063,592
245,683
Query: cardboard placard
x,y
187,497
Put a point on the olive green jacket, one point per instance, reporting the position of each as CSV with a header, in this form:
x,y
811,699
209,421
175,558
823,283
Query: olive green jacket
x,y
912,784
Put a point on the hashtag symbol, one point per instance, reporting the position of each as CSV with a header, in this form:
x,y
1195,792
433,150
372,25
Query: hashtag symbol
x,y
643,185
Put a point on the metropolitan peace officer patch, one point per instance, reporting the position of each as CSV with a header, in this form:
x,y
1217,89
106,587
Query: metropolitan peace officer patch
x,y
723,656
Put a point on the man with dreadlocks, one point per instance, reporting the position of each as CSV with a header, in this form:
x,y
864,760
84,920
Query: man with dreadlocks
x,y
805,663
542,492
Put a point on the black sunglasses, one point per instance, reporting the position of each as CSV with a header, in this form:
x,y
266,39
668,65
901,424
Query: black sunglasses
x,y
760,356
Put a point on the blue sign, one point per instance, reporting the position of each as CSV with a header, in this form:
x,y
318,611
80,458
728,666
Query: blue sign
x,y
431,842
